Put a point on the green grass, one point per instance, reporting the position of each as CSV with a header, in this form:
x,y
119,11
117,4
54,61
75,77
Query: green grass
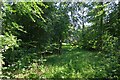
x,y
76,63
72,63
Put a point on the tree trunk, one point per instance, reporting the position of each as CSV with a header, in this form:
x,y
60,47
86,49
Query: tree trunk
x,y
118,17
1,61
60,43
101,26
83,29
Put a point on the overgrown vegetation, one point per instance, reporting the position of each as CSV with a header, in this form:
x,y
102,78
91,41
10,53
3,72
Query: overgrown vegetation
x,y
60,40
73,63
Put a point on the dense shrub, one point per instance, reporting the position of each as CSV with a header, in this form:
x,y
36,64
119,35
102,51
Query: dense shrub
x,y
109,43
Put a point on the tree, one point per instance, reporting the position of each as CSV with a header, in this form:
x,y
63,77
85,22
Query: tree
x,y
24,20
60,25
1,61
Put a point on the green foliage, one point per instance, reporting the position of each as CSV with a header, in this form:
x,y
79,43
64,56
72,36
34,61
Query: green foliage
x,y
72,64
8,41
90,40
109,43
30,29
26,19
21,61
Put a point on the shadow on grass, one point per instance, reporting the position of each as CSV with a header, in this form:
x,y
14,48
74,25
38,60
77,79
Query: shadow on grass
x,y
72,63
76,63
68,55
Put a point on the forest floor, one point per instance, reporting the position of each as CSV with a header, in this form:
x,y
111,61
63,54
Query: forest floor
x,y
72,63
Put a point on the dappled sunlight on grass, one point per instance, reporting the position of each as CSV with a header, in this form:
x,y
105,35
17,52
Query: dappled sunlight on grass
x,y
72,63
84,63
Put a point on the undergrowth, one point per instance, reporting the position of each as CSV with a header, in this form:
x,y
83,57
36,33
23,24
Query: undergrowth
x,y
72,63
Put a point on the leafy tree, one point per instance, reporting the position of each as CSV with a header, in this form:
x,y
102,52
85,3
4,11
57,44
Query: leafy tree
x,y
25,21
60,25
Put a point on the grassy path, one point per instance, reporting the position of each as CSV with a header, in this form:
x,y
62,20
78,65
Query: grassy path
x,y
72,63
77,63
